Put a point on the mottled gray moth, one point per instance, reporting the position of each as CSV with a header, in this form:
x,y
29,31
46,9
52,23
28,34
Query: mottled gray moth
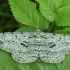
x,y
27,47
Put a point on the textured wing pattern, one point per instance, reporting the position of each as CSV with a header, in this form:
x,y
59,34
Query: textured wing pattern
x,y
57,45
27,47
18,45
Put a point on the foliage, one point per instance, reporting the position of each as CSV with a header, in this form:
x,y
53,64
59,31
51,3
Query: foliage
x,y
28,13
53,15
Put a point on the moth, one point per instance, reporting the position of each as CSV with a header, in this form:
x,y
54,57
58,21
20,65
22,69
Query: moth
x,y
27,47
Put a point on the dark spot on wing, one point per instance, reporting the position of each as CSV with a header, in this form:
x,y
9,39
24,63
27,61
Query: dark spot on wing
x,y
34,36
16,36
30,37
1,42
44,37
23,45
51,45
12,41
25,42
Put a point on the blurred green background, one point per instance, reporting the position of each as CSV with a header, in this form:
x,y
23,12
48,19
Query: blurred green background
x,y
7,21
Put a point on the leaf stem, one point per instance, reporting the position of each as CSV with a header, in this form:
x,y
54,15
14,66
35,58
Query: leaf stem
x,y
51,26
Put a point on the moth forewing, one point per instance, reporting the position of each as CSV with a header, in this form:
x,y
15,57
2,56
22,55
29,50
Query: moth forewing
x,y
27,47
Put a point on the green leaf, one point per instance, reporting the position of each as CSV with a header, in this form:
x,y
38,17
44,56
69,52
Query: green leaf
x,y
49,7
66,62
23,66
63,31
7,61
2,66
63,16
26,13
52,66
42,65
65,3
47,66
60,66
26,29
